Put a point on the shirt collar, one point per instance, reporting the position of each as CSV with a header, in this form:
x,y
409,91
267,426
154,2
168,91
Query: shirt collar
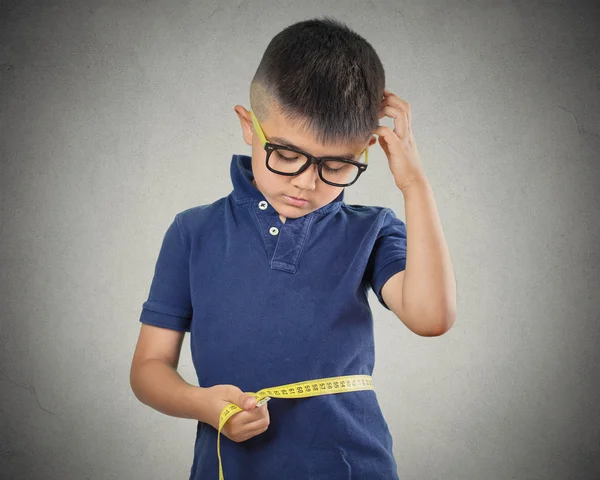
x,y
245,192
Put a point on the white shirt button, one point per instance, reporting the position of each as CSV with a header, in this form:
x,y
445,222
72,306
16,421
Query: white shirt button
x,y
273,230
263,205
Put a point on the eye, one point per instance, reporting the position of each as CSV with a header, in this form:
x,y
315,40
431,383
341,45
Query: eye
x,y
336,166
287,157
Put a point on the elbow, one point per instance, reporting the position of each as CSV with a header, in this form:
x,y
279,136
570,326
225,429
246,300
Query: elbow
x,y
132,383
134,380
437,325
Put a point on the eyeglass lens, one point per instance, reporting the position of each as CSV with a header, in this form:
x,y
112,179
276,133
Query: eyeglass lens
x,y
335,171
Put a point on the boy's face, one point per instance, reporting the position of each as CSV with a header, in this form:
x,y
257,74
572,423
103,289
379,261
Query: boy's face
x,y
308,185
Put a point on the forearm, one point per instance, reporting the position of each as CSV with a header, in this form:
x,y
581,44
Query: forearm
x,y
159,385
429,286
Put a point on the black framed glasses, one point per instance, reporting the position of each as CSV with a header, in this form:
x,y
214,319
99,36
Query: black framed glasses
x,y
291,162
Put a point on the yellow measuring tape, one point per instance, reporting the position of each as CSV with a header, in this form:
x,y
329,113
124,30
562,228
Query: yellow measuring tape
x,y
308,388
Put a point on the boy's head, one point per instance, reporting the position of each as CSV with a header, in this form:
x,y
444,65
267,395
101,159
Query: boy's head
x,y
319,86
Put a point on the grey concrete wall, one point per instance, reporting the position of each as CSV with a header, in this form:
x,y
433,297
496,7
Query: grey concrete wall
x,y
116,115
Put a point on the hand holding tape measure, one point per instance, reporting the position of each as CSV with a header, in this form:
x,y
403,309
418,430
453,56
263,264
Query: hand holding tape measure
x,y
249,410
253,418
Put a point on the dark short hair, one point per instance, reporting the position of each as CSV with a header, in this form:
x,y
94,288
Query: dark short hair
x,y
325,76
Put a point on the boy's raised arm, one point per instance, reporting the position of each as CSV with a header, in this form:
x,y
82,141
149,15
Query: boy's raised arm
x,y
426,292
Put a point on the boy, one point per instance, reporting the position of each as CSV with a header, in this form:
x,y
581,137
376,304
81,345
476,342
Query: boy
x,y
272,280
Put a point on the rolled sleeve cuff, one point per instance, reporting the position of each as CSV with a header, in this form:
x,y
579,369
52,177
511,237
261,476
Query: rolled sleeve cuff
x,y
384,275
165,320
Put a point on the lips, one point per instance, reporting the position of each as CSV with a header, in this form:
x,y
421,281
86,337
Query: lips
x,y
296,202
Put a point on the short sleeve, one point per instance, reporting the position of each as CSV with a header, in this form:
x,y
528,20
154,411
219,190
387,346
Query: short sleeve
x,y
388,256
169,301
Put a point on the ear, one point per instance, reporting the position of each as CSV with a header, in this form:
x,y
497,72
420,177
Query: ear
x,y
246,123
372,140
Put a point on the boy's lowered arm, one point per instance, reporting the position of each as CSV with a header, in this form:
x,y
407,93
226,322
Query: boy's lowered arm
x,y
153,375
423,296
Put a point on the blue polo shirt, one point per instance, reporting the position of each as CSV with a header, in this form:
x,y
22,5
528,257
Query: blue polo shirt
x,y
269,303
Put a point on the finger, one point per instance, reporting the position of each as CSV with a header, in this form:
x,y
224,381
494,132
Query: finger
x,y
389,96
244,426
258,413
258,425
395,101
386,138
235,395
387,133
249,416
256,428
245,433
389,141
400,120
246,401
263,415
384,111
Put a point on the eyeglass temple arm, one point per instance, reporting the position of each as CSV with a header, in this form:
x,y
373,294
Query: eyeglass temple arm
x,y
261,135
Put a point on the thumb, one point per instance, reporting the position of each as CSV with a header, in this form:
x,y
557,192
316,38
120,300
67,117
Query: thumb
x,y
384,145
247,401
241,399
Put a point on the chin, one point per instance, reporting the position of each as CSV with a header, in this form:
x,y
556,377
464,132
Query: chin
x,y
294,212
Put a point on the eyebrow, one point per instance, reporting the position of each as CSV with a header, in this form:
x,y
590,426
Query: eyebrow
x,y
286,143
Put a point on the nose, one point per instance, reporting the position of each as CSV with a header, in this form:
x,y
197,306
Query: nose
x,y
307,179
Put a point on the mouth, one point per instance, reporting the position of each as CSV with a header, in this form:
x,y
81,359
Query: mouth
x,y
295,201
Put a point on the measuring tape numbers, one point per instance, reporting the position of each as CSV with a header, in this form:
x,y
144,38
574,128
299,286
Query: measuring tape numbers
x,y
307,388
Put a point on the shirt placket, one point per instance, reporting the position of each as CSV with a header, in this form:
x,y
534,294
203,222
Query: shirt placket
x,y
283,241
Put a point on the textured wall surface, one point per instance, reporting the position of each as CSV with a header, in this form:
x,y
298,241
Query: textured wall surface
x,y
114,116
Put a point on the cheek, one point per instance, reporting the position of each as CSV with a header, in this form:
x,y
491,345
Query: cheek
x,y
268,180
334,193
